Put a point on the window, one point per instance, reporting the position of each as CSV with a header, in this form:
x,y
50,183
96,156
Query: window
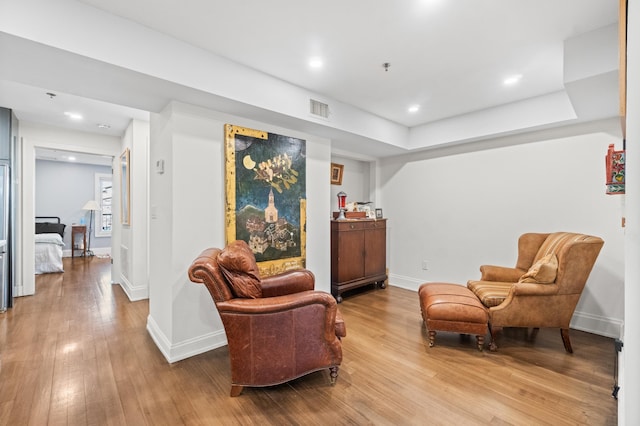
x,y
104,191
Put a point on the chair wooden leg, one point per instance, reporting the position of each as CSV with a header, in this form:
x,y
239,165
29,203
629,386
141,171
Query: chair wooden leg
x,y
432,338
236,390
333,375
480,342
493,331
564,332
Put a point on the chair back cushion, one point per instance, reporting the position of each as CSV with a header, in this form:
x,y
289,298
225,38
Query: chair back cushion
x,y
238,264
555,242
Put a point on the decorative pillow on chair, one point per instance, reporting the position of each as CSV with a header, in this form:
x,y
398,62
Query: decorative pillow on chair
x,y
238,264
544,271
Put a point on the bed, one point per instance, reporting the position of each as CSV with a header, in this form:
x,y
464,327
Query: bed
x,y
48,244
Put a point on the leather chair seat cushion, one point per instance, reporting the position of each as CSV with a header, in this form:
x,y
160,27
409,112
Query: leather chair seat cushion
x,y
490,293
238,265
451,303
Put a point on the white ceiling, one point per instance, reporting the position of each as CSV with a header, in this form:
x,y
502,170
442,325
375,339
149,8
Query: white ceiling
x,y
450,57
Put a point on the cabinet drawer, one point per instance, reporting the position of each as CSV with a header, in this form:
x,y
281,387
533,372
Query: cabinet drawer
x,y
375,224
347,225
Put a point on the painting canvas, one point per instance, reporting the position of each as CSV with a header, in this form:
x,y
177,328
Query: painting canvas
x,y
266,196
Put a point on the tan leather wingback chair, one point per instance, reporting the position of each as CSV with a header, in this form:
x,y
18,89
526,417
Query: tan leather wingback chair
x,y
544,287
278,328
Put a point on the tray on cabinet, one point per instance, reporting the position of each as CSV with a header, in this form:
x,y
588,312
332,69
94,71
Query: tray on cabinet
x,y
351,215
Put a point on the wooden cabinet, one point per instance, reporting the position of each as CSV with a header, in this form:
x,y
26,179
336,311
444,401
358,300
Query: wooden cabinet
x,y
358,254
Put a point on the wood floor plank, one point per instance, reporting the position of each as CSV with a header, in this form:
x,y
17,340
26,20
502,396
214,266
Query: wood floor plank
x,y
78,353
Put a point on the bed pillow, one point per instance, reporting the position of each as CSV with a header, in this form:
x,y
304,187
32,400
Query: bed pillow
x,y
544,271
50,228
238,264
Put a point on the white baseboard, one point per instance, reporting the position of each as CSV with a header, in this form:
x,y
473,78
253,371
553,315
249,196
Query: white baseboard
x,y
98,251
134,293
188,348
407,283
602,326
608,327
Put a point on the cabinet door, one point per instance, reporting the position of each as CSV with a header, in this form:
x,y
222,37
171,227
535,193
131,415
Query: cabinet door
x,y
375,245
348,262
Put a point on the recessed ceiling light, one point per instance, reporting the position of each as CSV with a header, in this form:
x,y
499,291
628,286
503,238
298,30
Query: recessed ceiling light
x,y
71,158
315,62
73,115
512,79
103,126
414,108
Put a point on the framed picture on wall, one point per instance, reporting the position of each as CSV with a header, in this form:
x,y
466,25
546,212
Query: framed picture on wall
x,y
266,200
125,186
336,173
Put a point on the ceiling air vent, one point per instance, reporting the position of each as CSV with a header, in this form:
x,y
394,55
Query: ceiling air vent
x,y
318,108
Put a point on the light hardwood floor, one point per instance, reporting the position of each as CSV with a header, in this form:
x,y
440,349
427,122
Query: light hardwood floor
x,y
78,353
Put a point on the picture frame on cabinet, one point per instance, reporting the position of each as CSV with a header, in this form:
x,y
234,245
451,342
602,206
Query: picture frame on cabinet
x,y
378,213
336,173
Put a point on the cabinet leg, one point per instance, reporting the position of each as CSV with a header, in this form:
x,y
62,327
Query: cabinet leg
x,y
339,299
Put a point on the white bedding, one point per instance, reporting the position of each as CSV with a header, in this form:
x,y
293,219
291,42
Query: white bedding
x,y
48,253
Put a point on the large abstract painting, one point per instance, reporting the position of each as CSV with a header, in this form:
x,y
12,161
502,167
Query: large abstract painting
x,y
266,196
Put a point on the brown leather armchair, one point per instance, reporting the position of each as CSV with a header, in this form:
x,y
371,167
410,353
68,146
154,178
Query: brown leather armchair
x,y
278,328
544,287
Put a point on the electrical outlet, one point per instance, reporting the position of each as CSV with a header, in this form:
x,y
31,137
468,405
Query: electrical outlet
x,y
425,265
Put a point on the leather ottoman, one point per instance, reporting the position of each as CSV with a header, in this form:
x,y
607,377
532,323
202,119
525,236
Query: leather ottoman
x,y
452,307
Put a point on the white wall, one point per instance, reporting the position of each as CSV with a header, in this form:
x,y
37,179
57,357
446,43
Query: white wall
x,y
187,215
460,211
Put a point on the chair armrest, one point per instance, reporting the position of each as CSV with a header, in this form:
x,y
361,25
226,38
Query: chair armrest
x,y
341,329
534,289
500,273
289,282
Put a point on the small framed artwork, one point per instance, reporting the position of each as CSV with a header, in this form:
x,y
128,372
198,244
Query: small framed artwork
x,y
378,213
336,173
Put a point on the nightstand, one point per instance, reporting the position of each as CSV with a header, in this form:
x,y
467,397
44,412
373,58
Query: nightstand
x,y
79,234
